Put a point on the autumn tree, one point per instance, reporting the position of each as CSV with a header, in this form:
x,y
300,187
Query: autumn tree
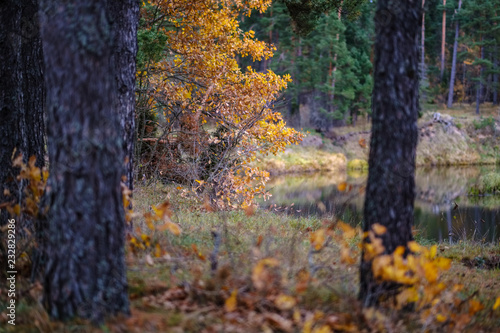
x,y
390,189
85,272
211,115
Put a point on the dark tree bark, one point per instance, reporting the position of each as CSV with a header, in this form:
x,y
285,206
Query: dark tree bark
x,y
85,272
10,45
390,189
22,93
125,20
32,128
454,61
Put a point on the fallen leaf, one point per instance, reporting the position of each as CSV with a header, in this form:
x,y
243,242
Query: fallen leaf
x,y
231,303
285,302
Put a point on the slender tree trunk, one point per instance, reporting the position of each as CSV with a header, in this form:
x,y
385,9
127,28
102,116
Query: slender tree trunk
x,y
85,272
125,19
479,91
454,61
332,96
390,189
443,41
423,74
495,76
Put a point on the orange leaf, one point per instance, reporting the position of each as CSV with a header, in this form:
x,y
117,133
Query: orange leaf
x,y
342,186
362,143
231,303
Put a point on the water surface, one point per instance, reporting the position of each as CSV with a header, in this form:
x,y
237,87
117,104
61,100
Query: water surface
x,y
443,210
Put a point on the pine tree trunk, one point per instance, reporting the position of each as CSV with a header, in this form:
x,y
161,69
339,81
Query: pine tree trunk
x,y
443,40
22,93
390,189
10,45
85,272
454,62
125,19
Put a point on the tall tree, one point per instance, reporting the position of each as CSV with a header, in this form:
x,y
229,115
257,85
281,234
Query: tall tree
x,y
125,20
85,272
390,190
454,59
443,39
22,93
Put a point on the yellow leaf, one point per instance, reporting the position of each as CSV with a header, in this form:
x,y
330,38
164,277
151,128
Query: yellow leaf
x,y
497,304
318,239
433,251
443,263
440,318
231,302
414,247
322,329
379,229
431,273
285,302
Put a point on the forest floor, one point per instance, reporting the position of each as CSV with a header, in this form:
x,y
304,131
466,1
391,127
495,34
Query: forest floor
x,y
454,136
258,272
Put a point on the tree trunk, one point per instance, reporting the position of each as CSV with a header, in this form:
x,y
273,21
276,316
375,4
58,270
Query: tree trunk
x,y
495,76
85,272
125,19
22,93
479,91
454,61
423,74
443,40
334,71
10,45
390,189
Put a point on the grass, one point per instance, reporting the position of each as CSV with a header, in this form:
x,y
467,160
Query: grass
x,y
178,291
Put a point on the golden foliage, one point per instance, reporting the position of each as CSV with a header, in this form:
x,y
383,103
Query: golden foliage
x,y
198,85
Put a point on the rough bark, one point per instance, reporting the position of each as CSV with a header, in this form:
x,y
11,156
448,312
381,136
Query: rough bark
x,y
10,45
390,189
85,272
32,127
454,62
22,94
125,20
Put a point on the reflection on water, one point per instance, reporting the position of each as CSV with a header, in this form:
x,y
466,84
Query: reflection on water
x,y
443,211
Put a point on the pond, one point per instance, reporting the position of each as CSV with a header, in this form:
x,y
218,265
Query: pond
x,y
443,210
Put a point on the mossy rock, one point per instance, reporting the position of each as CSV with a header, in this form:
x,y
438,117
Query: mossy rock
x,y
357,164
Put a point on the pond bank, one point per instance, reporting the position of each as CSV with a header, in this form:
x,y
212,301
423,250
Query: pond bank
x,y
444,140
